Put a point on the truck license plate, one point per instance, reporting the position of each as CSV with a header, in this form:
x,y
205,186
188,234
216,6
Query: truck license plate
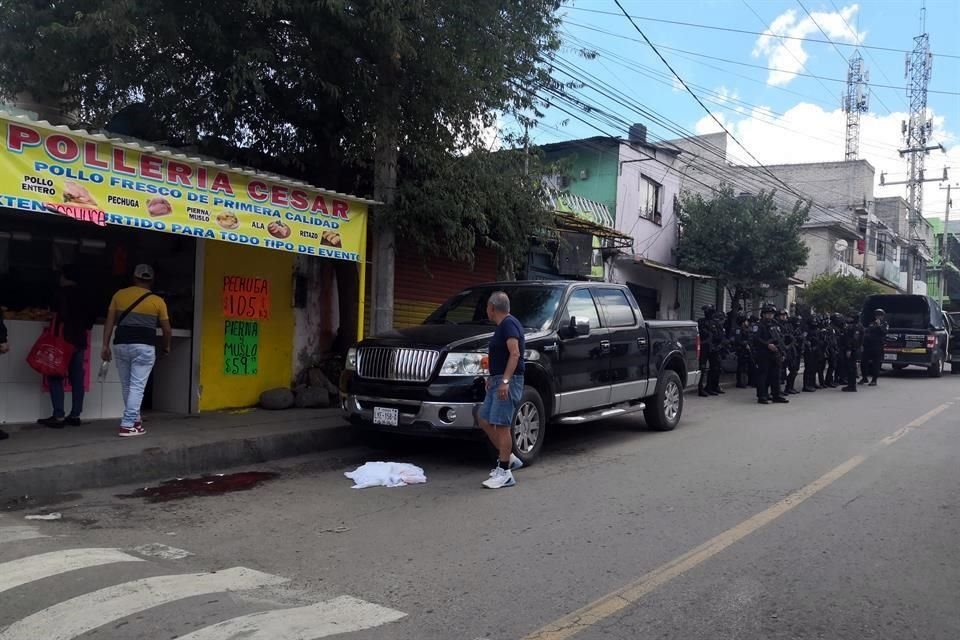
x,y
890,356
387,417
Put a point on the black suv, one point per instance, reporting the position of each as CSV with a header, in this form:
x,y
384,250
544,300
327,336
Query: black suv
x,y
589,355
919,332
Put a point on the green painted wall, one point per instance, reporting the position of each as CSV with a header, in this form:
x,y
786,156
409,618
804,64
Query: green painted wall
x,y
601,166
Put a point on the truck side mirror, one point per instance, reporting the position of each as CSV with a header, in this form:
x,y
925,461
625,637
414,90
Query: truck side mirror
x,y
579,326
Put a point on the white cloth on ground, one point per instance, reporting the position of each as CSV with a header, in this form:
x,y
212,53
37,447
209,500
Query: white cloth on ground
x,y
386,474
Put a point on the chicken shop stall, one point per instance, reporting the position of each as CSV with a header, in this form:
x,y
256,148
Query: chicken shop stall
x,y
228,246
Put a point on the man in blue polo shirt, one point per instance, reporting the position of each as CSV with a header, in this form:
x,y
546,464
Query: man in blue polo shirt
x,y
504,389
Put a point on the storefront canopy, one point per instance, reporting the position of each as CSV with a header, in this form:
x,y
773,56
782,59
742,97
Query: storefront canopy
x,y
658,266
581,215
53,170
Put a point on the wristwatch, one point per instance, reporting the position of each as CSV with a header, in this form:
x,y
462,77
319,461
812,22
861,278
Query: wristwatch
x,y
505,381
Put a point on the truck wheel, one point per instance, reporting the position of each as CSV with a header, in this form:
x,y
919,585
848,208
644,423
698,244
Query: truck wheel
x,y
529,426
936,369
666,406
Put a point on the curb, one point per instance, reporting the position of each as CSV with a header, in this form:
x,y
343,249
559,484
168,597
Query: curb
x,y
165,463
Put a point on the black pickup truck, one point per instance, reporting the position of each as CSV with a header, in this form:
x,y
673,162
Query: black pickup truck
x,y
919,334
589,355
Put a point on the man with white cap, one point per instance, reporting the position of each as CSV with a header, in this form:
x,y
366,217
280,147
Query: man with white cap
x,y
135,312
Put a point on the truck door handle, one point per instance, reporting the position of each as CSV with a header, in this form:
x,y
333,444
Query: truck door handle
x,y
641,341
605,345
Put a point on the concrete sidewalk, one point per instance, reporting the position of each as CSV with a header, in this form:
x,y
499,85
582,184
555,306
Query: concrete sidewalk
x,y
38,461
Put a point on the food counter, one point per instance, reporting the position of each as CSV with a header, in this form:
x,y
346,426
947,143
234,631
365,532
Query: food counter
x,y
23,398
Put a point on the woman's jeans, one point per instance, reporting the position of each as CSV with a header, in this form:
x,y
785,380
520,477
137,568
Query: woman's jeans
x,y
75,373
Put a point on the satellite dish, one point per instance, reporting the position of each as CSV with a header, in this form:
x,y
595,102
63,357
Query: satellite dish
x,y
840,246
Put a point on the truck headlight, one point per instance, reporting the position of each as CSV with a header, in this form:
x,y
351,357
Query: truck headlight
x,y
465,364
351,362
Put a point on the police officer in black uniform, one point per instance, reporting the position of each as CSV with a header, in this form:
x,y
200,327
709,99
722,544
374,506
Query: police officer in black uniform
x,y
720,347
874,336
794,354
767,348
705,326
833,333
850,343
812,355
741,340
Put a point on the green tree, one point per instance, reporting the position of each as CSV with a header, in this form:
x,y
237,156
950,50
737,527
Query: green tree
x,y
357,95
745,241
834,293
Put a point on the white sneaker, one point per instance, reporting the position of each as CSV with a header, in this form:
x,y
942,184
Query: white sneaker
x,y
515,463
501,478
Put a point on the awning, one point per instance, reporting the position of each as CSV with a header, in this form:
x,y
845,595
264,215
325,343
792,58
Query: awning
x,y
659,266
54,170
575,213
613,239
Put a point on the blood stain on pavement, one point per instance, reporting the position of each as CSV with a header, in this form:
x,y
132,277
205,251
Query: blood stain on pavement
x,y
218,484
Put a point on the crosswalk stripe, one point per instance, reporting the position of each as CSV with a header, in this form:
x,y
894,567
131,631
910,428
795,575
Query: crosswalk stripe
x,y
17,533
20,572
79,615
340,615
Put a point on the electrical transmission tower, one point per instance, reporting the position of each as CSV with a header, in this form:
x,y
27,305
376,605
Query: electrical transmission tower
x,y
916,135
855,101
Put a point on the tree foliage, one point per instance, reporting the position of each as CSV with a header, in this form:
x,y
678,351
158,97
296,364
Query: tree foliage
x,y
746,242
307,88
835,293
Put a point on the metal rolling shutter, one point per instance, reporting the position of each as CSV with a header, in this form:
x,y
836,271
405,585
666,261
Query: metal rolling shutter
x,y
704,293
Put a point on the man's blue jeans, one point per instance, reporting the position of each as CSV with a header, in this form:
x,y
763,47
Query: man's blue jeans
x,y
134,364
75,374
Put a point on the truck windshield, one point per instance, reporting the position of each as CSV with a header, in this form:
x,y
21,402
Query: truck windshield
x,y
533,305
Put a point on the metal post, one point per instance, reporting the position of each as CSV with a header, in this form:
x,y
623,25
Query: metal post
x,y
945,251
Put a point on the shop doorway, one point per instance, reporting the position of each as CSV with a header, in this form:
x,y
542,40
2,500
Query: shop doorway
x,y
33,249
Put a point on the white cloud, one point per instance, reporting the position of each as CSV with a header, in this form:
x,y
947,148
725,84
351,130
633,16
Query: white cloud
x,y
808,133
724,95
786,58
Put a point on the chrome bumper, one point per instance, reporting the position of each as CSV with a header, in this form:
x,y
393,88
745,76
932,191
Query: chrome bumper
x,y
413,413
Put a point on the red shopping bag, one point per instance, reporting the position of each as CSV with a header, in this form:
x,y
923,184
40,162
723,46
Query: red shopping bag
x,y
50,354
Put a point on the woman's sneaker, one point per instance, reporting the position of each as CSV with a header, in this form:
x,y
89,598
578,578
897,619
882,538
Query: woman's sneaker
x,y
136,430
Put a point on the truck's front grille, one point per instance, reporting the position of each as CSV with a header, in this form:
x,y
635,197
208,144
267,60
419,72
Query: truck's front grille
x,y
395,363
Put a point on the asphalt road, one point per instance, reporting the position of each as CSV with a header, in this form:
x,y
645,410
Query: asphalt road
x,y
835,517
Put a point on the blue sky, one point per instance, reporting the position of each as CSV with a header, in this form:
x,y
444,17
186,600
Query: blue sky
x,y
779,116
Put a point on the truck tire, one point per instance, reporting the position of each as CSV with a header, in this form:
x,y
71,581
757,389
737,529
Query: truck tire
x,y
665,407
529,426
936,369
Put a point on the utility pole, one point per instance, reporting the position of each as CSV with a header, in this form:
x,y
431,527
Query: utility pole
x,y
945,251
855,101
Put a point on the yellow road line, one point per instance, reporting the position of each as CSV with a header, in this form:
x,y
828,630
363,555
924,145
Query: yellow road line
x,y
612,603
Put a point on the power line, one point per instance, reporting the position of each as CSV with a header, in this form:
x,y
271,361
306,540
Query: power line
x,y
744,64
719,100
700,102
753,33
785,47
870,55
711,188
715,170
